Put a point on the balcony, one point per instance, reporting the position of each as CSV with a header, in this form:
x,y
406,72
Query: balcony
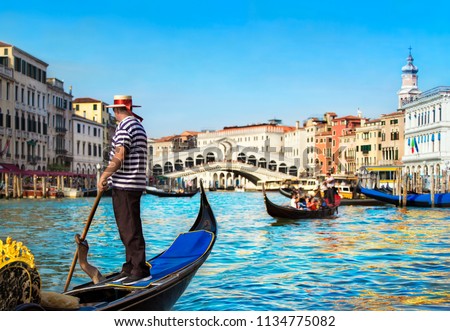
x,y
61,131
6,71
32,160
60,151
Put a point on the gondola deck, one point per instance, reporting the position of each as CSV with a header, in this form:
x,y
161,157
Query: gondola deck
x,y
186,249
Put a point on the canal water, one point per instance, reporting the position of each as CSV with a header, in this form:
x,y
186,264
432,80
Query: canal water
x,y
368,258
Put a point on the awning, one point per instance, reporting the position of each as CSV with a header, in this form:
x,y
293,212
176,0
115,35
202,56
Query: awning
x,y
13,169
9,168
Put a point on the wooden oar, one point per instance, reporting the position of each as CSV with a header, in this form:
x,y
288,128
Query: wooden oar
x,y
83,237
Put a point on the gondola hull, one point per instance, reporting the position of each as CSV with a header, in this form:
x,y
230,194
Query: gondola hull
x,y
161,297
344,202
163,194
172,270
412,199
287,212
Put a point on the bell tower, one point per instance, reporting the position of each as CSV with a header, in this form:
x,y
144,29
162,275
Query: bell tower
x,y
409,89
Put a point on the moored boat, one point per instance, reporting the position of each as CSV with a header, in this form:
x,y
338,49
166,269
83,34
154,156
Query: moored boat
x,y
412,199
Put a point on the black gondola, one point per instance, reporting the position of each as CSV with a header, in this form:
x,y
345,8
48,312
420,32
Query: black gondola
x,y
288,212
171,194
172,271
287,192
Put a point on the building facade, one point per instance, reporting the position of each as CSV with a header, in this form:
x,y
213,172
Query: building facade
x,y
24,109
60,145
427,136
88,145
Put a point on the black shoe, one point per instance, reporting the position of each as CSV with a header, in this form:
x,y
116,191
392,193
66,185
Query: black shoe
x,y
132,279
121,276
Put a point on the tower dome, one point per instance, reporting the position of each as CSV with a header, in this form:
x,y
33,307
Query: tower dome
x,y
409,68
409,89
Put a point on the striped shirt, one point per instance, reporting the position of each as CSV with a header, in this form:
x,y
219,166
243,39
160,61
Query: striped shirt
x,y
131,175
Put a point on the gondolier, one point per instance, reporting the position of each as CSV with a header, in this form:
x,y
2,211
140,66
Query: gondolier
x,y
126,175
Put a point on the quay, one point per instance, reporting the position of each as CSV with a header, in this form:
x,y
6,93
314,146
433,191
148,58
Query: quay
x,y
16,183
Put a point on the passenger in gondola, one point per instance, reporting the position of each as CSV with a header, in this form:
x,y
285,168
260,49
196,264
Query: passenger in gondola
x,y
313,204
302,202
294,201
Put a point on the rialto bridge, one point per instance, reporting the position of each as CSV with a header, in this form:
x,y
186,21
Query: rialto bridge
x,y
224,164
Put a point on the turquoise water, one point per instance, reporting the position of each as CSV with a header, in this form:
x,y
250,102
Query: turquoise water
x,y
368,258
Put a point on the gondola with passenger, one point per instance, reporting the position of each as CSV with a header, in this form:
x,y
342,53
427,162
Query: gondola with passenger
x,y
171,194
278,211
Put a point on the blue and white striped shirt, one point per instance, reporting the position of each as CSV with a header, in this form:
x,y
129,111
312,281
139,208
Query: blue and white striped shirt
x,y
131,135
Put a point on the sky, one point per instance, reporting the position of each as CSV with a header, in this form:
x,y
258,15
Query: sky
x,y
203,65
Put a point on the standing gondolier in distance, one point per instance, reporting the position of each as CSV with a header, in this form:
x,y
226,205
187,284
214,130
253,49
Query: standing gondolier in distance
x,y
126,174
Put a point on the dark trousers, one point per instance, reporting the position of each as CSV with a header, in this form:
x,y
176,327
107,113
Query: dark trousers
x,y
330,195
127,210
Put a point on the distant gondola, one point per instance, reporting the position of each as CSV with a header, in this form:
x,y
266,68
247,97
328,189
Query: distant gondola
x,y
288,212
172,271
171,194
287,192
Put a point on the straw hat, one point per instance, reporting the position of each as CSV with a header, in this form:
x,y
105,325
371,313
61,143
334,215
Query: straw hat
x,y
125,101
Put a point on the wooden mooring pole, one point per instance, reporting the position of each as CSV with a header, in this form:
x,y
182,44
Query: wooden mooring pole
x,y
432,187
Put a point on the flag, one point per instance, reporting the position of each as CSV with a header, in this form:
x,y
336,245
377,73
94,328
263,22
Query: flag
x,y
412,146
416,145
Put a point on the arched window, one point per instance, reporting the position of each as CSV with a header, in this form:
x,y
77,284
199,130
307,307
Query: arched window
x,y
189,162
157,170
168,167
199,160
273,165
178,165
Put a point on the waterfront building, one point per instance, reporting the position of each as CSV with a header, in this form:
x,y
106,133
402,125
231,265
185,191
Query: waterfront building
x,y
347,152
88,145
427,137
368,140
311,167
95,110
24,134
343,127
60,144
295,147
392,138
174,143
323,144
7,108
